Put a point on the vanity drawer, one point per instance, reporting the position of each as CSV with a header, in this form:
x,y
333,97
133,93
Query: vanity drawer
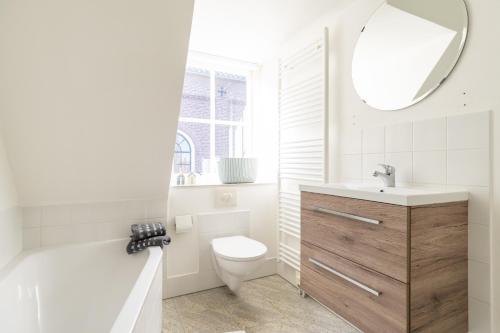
x,y
371,301
369,233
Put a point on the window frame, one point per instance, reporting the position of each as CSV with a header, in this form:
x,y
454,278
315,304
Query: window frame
x,y
192,154
215,64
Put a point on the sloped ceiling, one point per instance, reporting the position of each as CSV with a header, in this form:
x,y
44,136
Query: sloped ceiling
x,y
252,30
89,96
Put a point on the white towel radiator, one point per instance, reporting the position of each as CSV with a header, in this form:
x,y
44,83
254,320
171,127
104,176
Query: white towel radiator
x,y
303,137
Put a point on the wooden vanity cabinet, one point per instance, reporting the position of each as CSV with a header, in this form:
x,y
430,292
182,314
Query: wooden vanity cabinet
x,y
386,268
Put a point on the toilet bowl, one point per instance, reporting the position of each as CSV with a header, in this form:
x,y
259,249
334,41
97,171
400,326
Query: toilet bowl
x,y
235,257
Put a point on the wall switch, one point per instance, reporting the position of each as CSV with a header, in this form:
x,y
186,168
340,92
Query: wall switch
x,y
226,197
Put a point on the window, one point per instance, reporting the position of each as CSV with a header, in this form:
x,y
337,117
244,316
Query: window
x,y
184,154
213,118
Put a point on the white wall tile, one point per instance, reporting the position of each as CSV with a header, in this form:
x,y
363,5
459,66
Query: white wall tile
x,y
429,135
429,167
93,221
351,167
479,316
56,215
68,234
479,280
111,230
469,131
352,144
374,140
81,213
32,217
108,212
479,205
398,138
57,235
479,242
31,238
136,209
85,233
468,167
403,162
370,164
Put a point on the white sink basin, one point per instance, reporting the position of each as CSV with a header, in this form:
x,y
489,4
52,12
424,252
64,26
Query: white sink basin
x,y
405,196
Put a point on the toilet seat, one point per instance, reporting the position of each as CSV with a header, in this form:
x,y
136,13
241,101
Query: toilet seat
x,y
238,248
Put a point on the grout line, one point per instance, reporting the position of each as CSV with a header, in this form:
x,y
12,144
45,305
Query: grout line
x,y
466,149
351,154
31,227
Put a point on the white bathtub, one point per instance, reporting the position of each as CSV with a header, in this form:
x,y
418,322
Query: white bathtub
x,y
85,288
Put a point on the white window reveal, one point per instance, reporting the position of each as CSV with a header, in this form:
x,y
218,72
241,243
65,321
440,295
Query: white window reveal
x,y
214,117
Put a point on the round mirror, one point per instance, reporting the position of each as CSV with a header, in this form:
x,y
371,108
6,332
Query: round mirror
x,y
406,51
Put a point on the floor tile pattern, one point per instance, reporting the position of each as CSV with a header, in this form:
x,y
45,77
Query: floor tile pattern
x,y
266,305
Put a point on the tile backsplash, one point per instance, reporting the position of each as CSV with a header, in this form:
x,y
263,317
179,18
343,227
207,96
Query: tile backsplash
x,y
451,151
74,223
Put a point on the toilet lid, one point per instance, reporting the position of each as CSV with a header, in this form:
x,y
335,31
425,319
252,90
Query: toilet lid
x,y
238,248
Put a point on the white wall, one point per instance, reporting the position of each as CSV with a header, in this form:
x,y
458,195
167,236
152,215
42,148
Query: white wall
x,y
476,75
265,132
188,266
89,96
10,217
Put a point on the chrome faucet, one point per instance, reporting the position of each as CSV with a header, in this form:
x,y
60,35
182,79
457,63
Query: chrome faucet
x,y
388,177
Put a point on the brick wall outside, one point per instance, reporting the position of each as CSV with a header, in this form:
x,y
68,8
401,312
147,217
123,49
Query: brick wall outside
x,y
230,102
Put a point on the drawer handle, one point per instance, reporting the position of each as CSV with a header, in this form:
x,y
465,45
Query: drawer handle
x,y
348,279
349,216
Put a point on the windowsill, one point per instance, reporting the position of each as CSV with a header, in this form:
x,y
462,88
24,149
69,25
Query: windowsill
x,y
258,183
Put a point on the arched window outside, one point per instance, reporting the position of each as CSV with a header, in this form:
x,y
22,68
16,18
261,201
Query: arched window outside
x,y
183,158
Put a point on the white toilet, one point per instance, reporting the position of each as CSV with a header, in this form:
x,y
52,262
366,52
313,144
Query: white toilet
x,y
236,257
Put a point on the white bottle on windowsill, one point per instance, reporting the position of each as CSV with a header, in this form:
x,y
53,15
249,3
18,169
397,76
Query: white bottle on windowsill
x,y
181,179
191,179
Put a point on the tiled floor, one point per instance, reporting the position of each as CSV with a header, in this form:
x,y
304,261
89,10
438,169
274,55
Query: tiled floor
x,y
264,305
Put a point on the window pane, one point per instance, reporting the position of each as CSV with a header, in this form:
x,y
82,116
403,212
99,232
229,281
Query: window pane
x,y
228,141
199,134
196,94
230,96
183,154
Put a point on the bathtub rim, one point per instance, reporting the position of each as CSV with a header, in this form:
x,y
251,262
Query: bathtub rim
x,y
24,254
131,309
129,313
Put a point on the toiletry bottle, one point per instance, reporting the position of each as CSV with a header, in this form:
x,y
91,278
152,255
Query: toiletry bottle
x,y
191,178
181,179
